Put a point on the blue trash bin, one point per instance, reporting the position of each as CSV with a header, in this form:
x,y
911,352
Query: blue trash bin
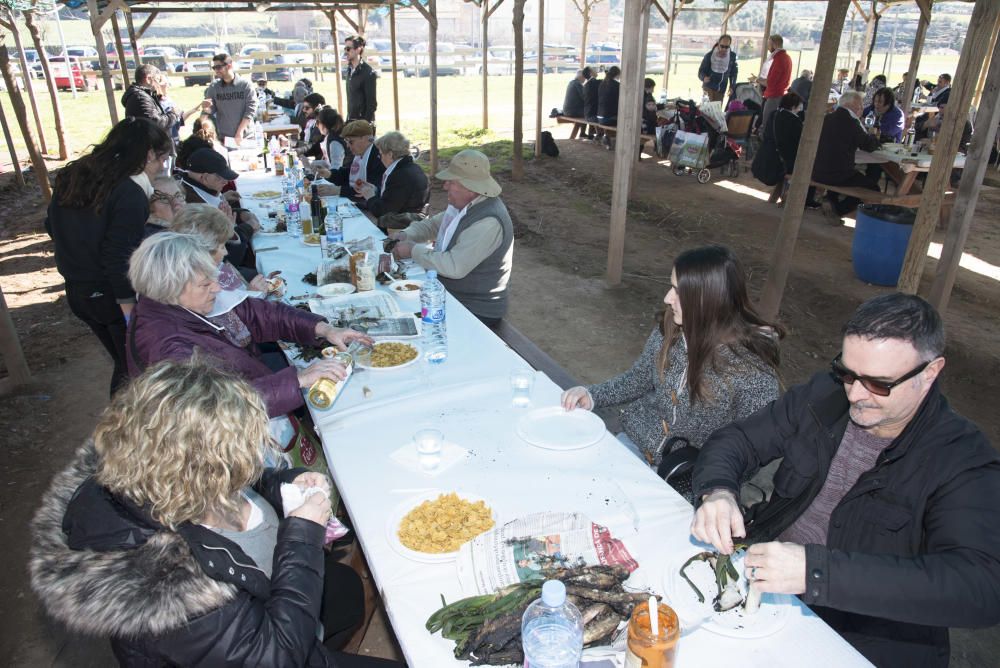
x,y
881,236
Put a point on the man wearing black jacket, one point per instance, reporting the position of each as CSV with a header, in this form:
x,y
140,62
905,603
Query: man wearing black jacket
x,y
360,81
141,99
366,166
884,511
842,135
591,91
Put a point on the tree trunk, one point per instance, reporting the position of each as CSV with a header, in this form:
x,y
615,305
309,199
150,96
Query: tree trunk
x,y
43,58
21,114
583,37
517,163
26,78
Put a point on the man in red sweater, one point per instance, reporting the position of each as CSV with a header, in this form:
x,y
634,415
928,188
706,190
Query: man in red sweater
x,y
777,77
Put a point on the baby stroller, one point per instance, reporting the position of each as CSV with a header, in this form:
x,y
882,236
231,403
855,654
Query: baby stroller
x,y
698,146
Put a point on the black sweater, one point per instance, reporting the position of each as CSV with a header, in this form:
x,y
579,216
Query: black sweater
x,y
841,136
607,98
93,249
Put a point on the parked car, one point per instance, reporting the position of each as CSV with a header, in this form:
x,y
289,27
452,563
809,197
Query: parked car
x,y
294,55
87,54
34,64
603,54
501,61
245,60
84,78
447,60
198,69
567,57
379,55
171,57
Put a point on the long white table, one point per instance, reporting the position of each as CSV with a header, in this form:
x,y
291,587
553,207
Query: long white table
x,y
468,399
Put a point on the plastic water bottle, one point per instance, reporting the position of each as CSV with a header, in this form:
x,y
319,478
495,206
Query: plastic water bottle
x,y
292,221
432,300
552,630
334,228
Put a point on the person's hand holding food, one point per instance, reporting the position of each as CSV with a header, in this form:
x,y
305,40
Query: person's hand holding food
x,y
312,479
327,189
316,509
718,520
577,397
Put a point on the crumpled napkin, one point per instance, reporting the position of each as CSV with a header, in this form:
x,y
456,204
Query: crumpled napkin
x,y
293,496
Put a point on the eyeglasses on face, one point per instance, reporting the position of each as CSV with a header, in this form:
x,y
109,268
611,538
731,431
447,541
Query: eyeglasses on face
x,y
219,66
166,198
348,47
723,46
880,388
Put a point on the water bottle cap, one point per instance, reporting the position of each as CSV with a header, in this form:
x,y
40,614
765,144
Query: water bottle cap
x,y
553,593
432,274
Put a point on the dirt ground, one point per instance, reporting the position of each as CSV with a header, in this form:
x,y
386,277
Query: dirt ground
x,y
560,300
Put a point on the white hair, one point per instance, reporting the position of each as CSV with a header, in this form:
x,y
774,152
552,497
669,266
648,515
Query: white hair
x,y
204,221
394,143
166,262
851,97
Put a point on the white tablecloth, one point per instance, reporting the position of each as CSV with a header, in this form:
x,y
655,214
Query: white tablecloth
x,y
468,398
902,156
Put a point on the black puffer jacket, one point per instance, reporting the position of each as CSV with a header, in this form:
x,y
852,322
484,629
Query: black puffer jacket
x,y
103,567
914,546
143,102
361,100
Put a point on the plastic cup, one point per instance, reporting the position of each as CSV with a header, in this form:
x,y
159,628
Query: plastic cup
x,y
428,443
521,382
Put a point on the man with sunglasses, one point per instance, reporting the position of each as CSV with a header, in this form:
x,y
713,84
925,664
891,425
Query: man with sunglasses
x,y
233,99
360,80
884,516
718,69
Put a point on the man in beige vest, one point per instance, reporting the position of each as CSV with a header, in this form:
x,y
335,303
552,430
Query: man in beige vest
x,y
471,244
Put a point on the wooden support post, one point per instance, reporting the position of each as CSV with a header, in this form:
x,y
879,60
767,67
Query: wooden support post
x,y
50,83
332,16
430,13
21,114
768,19
132,38
976,161
354,26
10,350
977,97
395,64
96,21
911,80
791,218
670,45
433,32
485,10
26,77
541,76
626,143
120,50
145,24
517,162
15,161
974,53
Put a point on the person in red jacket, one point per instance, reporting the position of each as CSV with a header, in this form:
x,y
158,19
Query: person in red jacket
x,y
777,76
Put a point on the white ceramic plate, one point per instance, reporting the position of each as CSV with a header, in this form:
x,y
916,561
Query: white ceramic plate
x,y
366,365
335,289
397,515
266,194
555,428
396,288
768,620
310,243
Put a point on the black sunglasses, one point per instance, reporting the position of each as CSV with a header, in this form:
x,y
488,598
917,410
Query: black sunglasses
x,y
880,388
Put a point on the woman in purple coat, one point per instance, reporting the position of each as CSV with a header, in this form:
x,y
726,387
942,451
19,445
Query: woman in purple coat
x,y
178,313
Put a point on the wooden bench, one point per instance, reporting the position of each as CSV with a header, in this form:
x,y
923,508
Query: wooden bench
x,y
910,200
580,128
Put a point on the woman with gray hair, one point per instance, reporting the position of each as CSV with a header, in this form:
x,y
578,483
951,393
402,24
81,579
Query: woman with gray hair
x,y
216,229
177,279
404,187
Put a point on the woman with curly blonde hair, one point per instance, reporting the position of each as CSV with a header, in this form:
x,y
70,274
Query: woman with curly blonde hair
x,y
168,534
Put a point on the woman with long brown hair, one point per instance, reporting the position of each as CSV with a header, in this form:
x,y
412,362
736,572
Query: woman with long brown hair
x,y
712,360
96,218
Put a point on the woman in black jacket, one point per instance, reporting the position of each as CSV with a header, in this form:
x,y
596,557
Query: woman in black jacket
x,y
96,219
404,187
169,536
607,97
783,137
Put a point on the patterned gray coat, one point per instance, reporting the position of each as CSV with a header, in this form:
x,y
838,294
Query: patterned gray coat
x,y
745,384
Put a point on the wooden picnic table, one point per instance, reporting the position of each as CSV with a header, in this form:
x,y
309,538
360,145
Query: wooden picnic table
x,y
902,164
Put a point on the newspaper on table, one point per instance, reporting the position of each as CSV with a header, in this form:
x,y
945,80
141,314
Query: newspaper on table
x,y
521,549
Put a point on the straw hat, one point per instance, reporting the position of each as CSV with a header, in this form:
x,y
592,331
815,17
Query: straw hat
x,y
472,169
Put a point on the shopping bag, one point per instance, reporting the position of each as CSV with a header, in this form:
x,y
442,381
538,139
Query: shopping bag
x,y
689,150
